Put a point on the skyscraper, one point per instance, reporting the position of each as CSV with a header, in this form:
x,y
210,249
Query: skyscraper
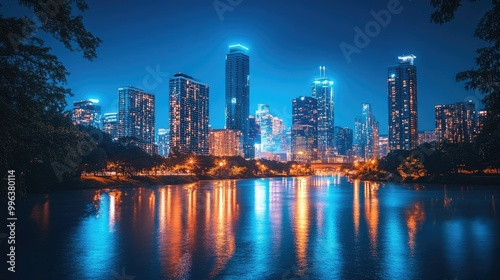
x,y
163,142
322,90
456,123
110,124
136,117
265,120
343,140
87,113
188,115
304,138
366,134
402,96
238,94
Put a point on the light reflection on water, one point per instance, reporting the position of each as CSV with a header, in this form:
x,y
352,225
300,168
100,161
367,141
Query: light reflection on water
x,y
307,227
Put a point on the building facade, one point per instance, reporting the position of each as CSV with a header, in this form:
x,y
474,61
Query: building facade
x,y
110,125
456,123
87,113
163,142
322,91
189,115
238,95
366,138
136,117
225,143
402,97
343,140
304,134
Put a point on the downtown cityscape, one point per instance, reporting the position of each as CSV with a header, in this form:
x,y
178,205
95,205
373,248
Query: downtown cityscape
x,y
236,139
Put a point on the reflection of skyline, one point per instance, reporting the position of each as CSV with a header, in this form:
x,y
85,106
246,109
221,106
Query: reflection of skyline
x,y
372,213
222,228
301,223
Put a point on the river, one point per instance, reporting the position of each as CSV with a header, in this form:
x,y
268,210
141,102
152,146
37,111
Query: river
x,y
280,228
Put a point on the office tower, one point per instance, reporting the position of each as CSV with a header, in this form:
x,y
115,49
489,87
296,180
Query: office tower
x,y
402,96
188,115
343,140
163,142
322,91
136,117
456,123
278,135
238,94
254,131
225,143
110,125
428,136
265,120
366,130
304,138
87,113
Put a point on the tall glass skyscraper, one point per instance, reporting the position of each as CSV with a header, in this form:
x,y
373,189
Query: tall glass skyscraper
x,y
366,134
188,115
136,117
402,97
304,138
322,91
110,124
238,95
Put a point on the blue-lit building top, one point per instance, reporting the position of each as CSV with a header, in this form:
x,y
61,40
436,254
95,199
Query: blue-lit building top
x,y
87,113
402,100
238,95
322,91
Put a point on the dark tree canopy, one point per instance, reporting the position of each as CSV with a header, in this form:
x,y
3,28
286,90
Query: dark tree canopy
x,y
35,127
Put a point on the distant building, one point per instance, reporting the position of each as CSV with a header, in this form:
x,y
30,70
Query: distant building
x,y
265,121
188,115
456,123
87,113
225,143
163,142
238,95
383,144
427,136
110,124
304,137
343,140
481,120
322,91
136,117
254,132
366,135
402,96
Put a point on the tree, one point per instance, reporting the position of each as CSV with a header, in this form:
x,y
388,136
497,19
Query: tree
x,y
412,169
485,78
35,127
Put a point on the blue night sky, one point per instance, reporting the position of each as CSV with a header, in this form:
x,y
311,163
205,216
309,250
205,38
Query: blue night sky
x,y
288,41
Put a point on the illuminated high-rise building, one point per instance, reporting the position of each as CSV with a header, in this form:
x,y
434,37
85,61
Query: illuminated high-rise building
x,y
343,140
136,117
265,120
87,113
238,95
366,138
482,116
163,142
322,91
456,123
304,135
188,115
402,97
225,143
110,124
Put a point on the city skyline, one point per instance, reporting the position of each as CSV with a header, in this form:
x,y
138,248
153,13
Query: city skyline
x,y
283,65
